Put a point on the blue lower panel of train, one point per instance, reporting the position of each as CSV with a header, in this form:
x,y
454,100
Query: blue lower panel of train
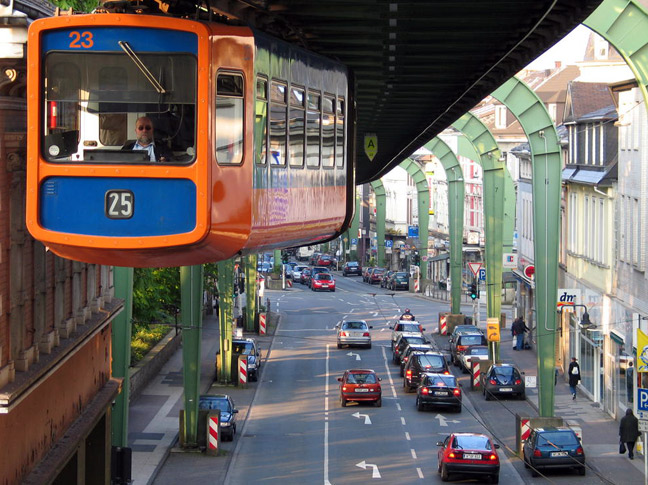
x,y
118,207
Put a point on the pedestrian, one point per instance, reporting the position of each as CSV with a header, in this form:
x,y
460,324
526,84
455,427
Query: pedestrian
x,y
519,328
574,376
629,379
629,432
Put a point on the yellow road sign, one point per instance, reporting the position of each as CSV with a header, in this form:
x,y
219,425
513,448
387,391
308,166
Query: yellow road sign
x,y
493,329
371,145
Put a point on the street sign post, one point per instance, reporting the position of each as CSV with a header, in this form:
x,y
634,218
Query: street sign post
x,y
474,268
481,274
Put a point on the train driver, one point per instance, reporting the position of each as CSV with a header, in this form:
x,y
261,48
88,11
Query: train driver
x,y
145,141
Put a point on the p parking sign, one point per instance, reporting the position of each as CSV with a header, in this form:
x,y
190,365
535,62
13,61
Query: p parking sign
x,y
642,400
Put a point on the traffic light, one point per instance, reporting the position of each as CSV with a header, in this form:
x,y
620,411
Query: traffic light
x,y
473,292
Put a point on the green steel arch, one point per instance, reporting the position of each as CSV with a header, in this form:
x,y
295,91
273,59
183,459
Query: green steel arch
x,y
546,165
423,199
381,215
456,200
493,196
624,23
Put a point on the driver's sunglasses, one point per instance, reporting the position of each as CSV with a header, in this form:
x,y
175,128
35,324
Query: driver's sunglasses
x,y
144,127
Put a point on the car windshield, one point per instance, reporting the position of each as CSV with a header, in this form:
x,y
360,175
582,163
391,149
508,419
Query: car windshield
x,y
352,264
221,404
354,325
361,378
401,276
471,339
242,347
471,443
465,328
324,277
441,380
413,341
558,438
431,361
505,372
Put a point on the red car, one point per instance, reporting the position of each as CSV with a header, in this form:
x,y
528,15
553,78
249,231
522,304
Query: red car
x,y
324,260
468,454
360,385
322,282
305,276
376,275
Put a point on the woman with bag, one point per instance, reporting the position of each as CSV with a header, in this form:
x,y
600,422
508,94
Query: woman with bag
x,y
628,433
574,376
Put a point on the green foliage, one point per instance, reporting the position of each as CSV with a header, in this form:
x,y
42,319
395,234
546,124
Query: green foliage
x,y
77,5
145,338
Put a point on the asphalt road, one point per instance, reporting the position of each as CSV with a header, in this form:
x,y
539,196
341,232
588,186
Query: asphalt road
x,y
297,432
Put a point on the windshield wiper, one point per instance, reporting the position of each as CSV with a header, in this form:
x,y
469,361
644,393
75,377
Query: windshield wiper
x,y
138,62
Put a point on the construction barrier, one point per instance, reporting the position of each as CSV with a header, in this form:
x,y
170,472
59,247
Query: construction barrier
x,y
288,283
243,370
213,432
443,323
262,323
476,374
417,285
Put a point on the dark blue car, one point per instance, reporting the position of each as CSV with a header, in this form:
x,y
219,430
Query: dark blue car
x,y
228,412
553,448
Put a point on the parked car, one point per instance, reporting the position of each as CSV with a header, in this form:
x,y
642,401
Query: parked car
x,y
305,276
551,447
248,346
404,326
353,332
463,342
360,385
297,271
472,354
351,268
365,273
376,276
385,278
324,260
228,412
421,362
322,282
468,454
438,390
405,339
398,281
409,349
502,380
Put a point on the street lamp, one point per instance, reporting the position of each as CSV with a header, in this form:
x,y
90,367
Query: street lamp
x,y
585,322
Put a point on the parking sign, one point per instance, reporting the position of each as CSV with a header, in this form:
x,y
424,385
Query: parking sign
x,y
642,400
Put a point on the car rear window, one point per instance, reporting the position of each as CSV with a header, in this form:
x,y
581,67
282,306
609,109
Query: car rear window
x,y
355,325
472,443
352,264
558,438
441,381
242,347
505,372
478,351
410,327
471,339
357,378
412,340
431,361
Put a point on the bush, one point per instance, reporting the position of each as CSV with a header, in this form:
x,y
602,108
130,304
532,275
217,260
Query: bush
x,y
144,339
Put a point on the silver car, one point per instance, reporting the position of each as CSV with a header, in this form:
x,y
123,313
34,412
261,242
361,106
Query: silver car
x,y
353,332
401,326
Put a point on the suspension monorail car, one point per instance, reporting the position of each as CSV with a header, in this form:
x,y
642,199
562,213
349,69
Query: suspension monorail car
x,y
260,135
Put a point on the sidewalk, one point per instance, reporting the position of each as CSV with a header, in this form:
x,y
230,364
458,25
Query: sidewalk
x,y
600,432
154,418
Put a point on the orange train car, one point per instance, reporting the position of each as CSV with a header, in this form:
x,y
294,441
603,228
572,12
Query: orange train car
x,y
158,141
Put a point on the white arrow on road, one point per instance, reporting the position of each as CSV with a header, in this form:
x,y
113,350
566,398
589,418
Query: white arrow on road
x,y
351,354
366,417
364,465
443,421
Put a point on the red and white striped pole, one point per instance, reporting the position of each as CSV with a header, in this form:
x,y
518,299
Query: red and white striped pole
x,y
476,374
525,429
243,370
262,323
212,433
443,325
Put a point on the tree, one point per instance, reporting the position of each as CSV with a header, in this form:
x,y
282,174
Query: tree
x,y
77,5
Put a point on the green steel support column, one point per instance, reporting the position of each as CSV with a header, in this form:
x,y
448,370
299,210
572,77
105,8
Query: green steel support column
x,y
191,296
466,149
493,197
456,201
381,215
121,353
354,228
547,165
277,260
250,265
423,199
226,315
624,23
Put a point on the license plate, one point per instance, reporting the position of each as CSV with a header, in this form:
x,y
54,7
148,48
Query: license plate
x,y
324,286
506,389
472,456
559,453
361,390
441,393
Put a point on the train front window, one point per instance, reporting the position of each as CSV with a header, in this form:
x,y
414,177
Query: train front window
x,y
93,100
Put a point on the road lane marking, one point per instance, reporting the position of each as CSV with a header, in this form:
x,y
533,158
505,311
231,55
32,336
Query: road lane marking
x,y
389,376
398,406
407,436
420,473
413,451
402,420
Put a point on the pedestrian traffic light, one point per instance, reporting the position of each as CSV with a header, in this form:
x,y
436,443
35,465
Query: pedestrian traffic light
x,y
474,293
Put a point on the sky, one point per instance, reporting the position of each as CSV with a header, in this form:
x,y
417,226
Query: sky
x,y
569,50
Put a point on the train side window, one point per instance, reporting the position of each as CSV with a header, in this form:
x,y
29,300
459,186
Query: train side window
x,y
296,127
261,121
328,132
313,124
229,118
278,123
339,133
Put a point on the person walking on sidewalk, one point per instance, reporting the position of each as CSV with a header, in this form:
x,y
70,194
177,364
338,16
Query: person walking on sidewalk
x,y
629,431
629,381
574,376
519,328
